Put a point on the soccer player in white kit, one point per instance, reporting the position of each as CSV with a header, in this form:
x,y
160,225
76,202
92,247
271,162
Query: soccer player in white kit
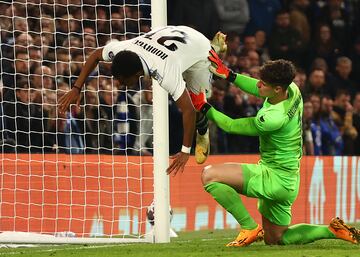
x,y
175,56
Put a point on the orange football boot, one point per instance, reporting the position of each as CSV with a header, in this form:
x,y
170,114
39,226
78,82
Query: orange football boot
x,y
343,231
247,237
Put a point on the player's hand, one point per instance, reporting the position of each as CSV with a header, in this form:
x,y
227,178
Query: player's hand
x,y
180,160
217,66
198,100
71,97
218,43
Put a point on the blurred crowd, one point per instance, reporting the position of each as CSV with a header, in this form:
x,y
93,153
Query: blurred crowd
x,y
45,43
43,47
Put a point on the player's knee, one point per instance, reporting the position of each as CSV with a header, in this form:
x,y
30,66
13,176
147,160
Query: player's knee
x,y
207,175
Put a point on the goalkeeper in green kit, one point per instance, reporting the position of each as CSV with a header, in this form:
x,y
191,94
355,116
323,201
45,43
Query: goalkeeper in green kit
x,y
275,179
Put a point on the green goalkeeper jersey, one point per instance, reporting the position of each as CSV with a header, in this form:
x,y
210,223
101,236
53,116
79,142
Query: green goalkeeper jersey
x,y
277,125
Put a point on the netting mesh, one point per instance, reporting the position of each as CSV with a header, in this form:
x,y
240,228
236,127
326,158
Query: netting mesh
x,y
88,171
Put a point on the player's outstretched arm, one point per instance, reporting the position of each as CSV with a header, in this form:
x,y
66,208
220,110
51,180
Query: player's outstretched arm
x,y
189,117
242,126
73,96
245,83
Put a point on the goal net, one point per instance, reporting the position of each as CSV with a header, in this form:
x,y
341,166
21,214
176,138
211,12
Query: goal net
x,y
87,175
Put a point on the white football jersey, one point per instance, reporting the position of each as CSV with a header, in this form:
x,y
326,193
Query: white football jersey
x,y
168,52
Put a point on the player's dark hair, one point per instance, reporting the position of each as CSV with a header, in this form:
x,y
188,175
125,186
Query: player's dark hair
x,y
125,64
278,73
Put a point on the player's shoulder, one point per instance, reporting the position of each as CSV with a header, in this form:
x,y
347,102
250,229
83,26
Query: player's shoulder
x,y
113,46
295,99
296,94
294,89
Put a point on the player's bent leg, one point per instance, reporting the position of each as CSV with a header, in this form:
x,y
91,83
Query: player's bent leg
x,y
307,233
342,231
224,182
197,82
226,173
295,234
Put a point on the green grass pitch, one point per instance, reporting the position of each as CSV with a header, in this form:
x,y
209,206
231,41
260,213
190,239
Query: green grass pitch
x,y
192,244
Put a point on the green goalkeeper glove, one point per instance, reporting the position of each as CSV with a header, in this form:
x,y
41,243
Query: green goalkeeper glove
x,y
219,68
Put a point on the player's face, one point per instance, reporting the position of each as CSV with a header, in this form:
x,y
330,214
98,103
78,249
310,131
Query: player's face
x,y
130,81
265,89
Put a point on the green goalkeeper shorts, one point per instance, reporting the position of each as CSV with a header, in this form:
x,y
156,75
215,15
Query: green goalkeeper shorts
x,y
276,191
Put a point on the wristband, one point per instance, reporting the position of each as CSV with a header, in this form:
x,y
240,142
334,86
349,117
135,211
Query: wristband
x,y
232,76
186,149
78,88
205,108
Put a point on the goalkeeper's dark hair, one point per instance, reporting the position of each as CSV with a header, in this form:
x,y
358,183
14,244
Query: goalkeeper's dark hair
x,y
125,64
278,73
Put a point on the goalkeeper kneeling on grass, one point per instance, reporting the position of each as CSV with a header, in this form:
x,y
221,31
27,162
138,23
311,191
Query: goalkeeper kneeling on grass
x,y
275,179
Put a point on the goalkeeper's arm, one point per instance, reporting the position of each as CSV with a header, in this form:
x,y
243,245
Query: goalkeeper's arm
x,y
245,83
241,126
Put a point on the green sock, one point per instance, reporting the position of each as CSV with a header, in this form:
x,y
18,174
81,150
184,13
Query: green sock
x,y
306,233
228,198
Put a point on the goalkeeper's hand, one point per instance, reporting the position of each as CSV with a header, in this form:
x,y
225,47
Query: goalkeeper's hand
x,y
199,102
219,68
218,43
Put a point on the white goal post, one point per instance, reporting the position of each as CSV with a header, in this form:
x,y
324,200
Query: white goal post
x,y
161,141
88,176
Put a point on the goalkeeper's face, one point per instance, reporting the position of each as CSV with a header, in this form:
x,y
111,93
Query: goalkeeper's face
x,y
265,89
